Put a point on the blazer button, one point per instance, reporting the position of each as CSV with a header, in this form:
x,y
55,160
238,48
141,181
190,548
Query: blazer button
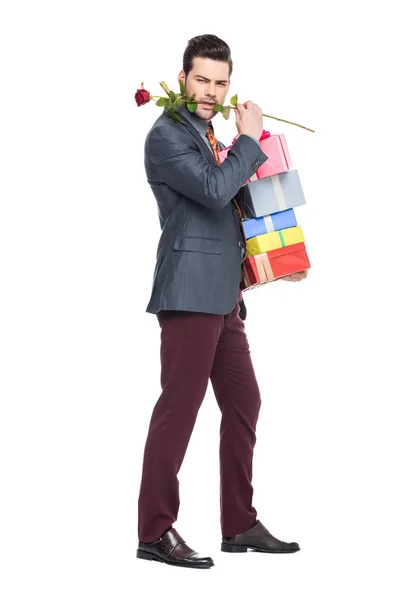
x,y
236,212
240,244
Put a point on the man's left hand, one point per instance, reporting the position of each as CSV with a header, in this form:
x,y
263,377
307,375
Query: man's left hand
x,y
296,276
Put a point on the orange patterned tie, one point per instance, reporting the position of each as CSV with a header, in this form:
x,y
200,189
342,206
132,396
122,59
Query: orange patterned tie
x,y
216,148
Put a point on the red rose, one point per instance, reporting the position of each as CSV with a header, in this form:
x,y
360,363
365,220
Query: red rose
x,y
142,96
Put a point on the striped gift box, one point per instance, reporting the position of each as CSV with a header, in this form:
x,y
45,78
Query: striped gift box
x,y
275,147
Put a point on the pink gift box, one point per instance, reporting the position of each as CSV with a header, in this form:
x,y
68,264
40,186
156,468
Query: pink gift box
x,y
275,147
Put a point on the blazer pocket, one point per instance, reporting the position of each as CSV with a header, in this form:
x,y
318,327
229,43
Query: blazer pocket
x,y
198,244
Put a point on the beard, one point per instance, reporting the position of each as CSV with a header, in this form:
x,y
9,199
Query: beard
x,y
204,113
201,111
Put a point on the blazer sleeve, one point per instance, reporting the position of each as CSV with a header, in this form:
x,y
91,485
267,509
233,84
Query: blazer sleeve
x,y
243,198
179,164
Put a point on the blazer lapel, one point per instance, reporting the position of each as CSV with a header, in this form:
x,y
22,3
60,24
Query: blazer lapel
x,y
194,133
242,197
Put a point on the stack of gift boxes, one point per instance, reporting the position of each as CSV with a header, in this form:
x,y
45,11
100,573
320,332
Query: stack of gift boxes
x,y
275,242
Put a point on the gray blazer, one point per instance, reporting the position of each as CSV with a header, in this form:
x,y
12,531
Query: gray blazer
x,y
200,251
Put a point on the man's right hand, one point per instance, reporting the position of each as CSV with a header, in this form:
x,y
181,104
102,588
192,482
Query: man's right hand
x,y
249,119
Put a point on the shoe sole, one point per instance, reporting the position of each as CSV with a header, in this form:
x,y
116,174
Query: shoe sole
x,y
232,548
149,556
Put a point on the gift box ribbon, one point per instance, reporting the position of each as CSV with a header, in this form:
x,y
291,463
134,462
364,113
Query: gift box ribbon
x,y
264,268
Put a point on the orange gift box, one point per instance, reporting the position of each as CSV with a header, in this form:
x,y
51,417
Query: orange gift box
x,y
269,266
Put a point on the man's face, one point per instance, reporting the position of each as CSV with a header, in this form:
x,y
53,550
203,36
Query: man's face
x,y
209,80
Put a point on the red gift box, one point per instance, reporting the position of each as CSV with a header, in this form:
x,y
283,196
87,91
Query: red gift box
x,y
272,265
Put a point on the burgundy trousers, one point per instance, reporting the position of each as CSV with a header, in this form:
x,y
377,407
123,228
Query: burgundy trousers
x,y
196,347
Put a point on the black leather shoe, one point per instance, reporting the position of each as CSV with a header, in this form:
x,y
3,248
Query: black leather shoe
x,y
257,538
172,550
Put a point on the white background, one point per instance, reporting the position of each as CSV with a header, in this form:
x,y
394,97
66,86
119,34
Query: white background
x,y
80,356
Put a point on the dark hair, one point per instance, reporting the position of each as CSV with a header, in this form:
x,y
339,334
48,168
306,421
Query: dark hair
x,y
206,46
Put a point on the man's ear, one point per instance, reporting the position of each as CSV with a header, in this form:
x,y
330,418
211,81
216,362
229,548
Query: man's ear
x,y
181,76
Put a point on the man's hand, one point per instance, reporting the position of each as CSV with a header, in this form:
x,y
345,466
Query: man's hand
x,y
249,119
296,276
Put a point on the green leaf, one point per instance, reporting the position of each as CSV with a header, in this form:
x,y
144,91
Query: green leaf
x,y
173,96
180,102
192,97
218,107
234,100
226,112
192,106
161,101
173,115
165,87
182,87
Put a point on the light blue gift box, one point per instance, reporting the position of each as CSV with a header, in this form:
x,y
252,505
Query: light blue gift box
x,y
276,193
268,223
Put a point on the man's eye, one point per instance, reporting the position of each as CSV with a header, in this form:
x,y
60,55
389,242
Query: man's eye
x,y
220,83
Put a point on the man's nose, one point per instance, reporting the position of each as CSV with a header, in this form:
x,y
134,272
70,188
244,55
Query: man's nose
x,y
211,89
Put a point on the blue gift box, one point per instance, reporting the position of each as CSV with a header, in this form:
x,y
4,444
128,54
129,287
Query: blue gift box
x,y
276,193
268,223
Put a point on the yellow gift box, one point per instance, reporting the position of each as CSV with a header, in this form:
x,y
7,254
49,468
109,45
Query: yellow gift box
x,y
273,240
